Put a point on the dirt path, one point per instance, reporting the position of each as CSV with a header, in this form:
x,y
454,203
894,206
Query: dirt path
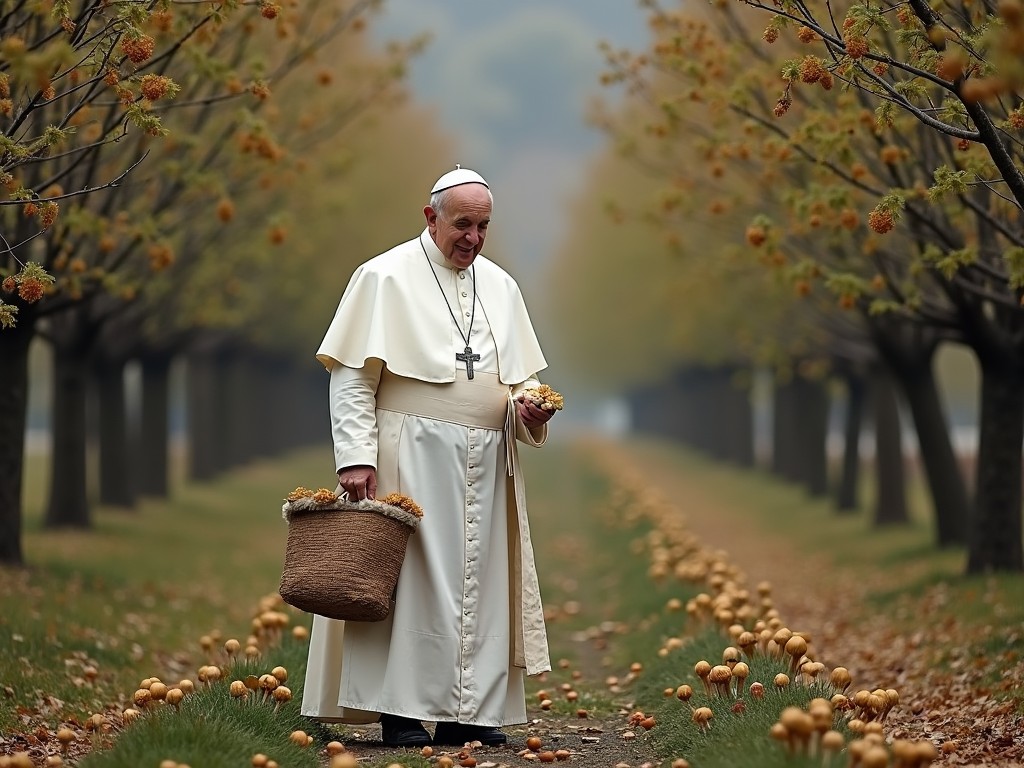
x,y
948,704
952,707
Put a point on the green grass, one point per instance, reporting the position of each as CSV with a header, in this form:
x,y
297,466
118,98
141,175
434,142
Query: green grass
x,y
605,543
132,597
210,728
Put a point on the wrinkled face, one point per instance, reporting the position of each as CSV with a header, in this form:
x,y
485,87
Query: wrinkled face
x,y
459,230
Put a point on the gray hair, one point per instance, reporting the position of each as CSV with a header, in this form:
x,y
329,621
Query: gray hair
x,y
439,201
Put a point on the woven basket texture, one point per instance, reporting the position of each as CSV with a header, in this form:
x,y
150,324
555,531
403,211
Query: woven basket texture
x,y
343,564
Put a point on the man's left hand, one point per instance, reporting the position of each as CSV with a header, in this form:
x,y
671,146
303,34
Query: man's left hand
x,y
532,415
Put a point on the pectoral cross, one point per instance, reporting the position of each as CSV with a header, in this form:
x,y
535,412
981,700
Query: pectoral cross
x,y
468,358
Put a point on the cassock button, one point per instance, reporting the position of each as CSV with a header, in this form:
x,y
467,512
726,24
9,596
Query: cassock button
x,y
462,275
467,314
465,294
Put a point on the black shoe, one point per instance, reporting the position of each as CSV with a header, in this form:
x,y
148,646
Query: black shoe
x,y
403,732
458,734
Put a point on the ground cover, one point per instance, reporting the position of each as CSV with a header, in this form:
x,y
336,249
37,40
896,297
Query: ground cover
x,y
133,599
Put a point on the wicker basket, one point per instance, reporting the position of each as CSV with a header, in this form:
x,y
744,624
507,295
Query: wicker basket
x,y
342,559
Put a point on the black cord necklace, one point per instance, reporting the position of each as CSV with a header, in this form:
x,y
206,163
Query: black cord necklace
x,y
467,356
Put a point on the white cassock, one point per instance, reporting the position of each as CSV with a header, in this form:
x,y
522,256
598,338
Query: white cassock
x,y
467,621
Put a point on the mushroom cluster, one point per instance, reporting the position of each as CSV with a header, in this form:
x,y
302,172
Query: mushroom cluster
x,y
536,750
755,631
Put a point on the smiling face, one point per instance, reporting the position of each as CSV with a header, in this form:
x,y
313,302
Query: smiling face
x,y
458,229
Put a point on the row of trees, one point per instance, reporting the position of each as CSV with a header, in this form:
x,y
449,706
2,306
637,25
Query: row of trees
x,y
843,220
184,180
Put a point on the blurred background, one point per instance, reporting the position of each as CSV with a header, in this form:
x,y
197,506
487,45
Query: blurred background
x,y
687,277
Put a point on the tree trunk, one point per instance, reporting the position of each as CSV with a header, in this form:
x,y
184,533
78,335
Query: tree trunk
x,y
785,458
242,408
116,484
738,423
810,411
995,529
847,499
909,352
891,499
945,478
205,417
154,434
68,503
14,346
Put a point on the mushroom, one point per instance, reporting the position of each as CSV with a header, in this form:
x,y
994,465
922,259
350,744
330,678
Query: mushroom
x,y
811,670
780,638
684,692
796,647
840,703
730,656
282,695
348,760
747,642
158,691
238,690
267,684
856,751
892,698
781,680
926,753
840,679
142,697
904,754
280,673
702,669
757,690
232,647
298,738
702,717
821,713
174,697
65,736
832,742
875,757
799,725
721,677
780,733
740,671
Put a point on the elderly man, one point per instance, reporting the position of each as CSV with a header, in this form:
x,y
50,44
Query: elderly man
x,y
429,352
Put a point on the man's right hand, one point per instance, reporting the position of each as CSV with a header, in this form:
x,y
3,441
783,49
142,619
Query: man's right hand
x,y
360,482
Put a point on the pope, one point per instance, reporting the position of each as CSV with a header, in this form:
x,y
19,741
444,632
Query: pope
x,y
429,353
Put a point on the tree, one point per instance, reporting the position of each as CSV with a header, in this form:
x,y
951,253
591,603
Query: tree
x,y
948,76
925,276
108,244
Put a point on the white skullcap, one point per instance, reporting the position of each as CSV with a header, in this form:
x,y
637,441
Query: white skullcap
x,y
458,176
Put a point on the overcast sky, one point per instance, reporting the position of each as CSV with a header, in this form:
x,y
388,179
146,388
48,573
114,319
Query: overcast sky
x,y
510,81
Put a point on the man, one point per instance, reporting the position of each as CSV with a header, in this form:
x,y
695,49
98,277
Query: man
x,y
428,351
